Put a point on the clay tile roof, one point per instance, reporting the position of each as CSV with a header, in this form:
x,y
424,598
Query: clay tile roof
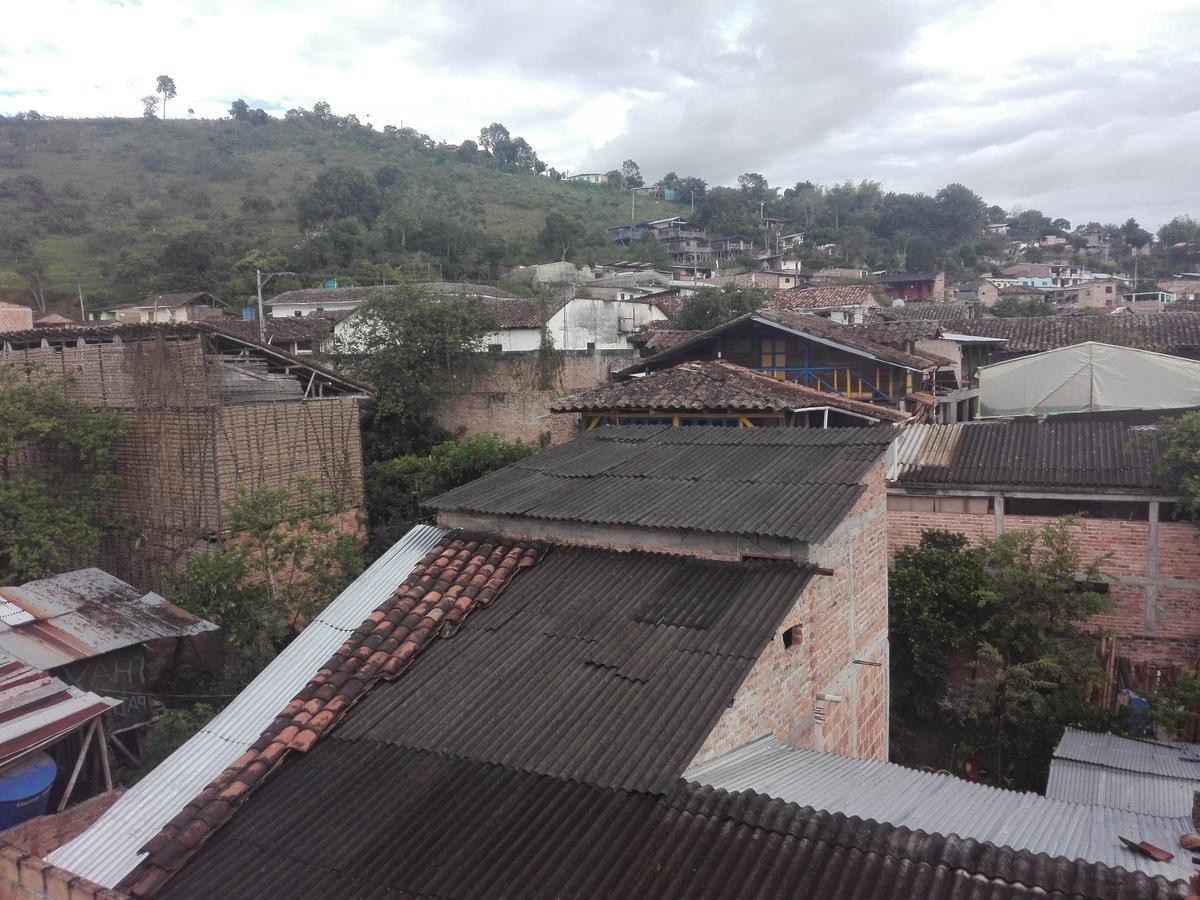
x,y
713,385
49,320
1176,333
521,312
443,588
827,297
944,312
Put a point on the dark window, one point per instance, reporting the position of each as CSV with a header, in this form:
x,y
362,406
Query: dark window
x,y
793,635
591,345
1096,587
1089,509
495,349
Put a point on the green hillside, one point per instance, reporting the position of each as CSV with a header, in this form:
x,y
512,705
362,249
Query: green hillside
x,y
130,206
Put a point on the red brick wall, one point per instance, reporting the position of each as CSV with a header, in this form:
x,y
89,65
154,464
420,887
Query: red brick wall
x,y
1168,632
14,317
502,396
25,876
843,617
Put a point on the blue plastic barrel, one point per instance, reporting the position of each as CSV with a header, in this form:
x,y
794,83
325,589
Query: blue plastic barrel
x,y
25,788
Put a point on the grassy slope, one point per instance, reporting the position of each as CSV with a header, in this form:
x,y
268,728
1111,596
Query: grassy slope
x,y
178,167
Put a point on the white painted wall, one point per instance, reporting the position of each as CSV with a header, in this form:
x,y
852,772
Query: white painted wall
x,y
605,323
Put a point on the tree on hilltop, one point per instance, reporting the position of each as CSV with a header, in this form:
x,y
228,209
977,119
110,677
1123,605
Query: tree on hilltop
x,y
166,87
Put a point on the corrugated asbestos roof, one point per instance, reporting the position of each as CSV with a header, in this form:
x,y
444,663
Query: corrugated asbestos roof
x,y
1154,777
372,820
78,615
110,848
1053,456
37,709
600,666
943,804
794,483
714,385
455,577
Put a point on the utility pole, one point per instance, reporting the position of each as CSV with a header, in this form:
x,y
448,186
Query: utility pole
x,y
82,311
632,204
262,324
693,203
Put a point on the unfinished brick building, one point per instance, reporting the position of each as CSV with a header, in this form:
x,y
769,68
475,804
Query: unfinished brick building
x,y
207,414
813,497
985,478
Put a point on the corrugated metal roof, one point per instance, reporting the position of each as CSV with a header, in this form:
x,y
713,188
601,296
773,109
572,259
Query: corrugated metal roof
x,y
78,615
373,820
109,849
792,483
1154,777
1050,455
37,709
943,804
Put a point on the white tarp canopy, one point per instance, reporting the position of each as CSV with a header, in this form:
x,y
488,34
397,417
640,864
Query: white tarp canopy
x,y
1088,377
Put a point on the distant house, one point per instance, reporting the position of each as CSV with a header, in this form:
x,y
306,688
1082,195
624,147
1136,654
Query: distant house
x,y
996,228
196,306
914,287
771,223
52,320
834,274
978,290
574,323
1099,294
310,300
15,317
1184,289
718,392
810,350
1052,240
588,178
786,242
767,281
731,246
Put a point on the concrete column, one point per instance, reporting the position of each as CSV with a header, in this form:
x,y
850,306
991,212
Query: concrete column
x,y
998,512
1150,591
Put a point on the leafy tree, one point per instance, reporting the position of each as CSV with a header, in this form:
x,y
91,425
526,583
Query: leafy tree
x,y
632,173
467,151
282,559
1135,235
754,186
339,192
410,346
1012,613
1017,306
396,487
166,87
56,478
150,106
561,234
1179,440
1181,229
961,213
239,110
710,307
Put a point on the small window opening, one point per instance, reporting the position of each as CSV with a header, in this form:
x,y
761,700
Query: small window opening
x,y
793,635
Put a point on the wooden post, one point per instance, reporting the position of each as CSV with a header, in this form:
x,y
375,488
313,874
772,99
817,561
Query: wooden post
x,y
87,742
104,766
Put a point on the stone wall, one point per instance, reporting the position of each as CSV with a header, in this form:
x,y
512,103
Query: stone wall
x,y
501,395
1155,587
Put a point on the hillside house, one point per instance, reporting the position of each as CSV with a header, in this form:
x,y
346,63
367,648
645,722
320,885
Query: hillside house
x,y
1101,293
788,242
574,323
813,351
982,479
914,287
587,178
194,306
977,290
208,413
717,392
731,247
763,280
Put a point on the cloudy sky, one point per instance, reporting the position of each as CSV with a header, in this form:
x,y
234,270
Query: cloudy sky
x,y
1087,110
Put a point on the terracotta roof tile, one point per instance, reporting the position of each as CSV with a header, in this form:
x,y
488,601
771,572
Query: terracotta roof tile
x,y
713,385
827,297
442,589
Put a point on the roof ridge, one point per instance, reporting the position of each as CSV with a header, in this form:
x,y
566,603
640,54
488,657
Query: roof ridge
x,y
454,577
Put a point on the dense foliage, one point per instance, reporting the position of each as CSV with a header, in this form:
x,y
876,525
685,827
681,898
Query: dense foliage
x,y
410,346
396,487
56,478
1180,462
989,649
281,560
709,307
